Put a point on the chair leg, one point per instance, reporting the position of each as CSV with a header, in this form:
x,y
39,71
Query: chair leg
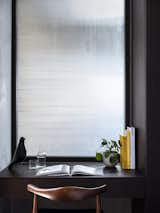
x,y
98,204
34,210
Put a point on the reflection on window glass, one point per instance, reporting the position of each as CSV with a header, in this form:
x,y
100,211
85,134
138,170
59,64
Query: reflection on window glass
x,y
70,74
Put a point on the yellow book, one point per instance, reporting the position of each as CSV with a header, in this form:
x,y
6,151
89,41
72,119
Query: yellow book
x,y
125,151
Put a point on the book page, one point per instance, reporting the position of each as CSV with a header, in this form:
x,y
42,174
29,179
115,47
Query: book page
x,y
86,170
61,169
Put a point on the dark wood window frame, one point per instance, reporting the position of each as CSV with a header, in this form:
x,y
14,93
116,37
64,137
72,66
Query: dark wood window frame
x,y
128,73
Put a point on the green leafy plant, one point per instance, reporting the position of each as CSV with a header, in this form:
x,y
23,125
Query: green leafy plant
x,y
109,147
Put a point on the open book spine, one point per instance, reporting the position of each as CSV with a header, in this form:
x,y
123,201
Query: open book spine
x,y
127,156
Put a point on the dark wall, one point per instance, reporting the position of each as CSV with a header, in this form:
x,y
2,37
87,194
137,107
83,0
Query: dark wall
x,y
5,206
146,94
139,78
153,105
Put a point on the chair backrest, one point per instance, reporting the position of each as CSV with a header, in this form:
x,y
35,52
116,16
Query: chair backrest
x,y
67,193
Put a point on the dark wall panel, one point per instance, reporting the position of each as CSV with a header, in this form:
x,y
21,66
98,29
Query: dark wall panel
x,y
153,105
139,78
5,206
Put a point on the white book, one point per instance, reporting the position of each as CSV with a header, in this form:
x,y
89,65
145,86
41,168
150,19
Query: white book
x,y
65,170
61,170
132,147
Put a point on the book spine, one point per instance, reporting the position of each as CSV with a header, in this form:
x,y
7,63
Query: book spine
x,y
132,146
125,151
128,133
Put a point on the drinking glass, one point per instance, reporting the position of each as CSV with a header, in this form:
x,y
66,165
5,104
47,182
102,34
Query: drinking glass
x,y
32,164
41,159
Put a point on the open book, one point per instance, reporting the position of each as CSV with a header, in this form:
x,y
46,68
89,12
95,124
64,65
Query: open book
x,y
64,169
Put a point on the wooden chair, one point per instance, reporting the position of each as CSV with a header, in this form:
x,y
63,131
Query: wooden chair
x,y
67,193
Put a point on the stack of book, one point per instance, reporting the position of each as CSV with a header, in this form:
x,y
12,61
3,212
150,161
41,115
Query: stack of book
x,y
127,150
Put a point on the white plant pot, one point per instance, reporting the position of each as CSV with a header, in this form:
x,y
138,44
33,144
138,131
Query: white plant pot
x,y
107,161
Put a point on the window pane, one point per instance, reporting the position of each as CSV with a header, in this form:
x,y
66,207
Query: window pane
x,y
70,74
5,83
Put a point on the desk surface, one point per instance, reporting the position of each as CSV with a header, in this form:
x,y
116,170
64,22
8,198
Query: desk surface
x,y
121,183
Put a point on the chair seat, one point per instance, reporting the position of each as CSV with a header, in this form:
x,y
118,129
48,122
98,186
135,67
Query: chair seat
x,y
66,211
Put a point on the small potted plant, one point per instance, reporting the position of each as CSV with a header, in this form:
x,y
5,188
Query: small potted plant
x,y
110,153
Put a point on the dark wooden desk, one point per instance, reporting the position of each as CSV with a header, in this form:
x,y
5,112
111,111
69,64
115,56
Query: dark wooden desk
x,y
122,184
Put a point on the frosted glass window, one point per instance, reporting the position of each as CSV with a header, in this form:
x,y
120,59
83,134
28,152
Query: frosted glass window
x,y
70,74
5,83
